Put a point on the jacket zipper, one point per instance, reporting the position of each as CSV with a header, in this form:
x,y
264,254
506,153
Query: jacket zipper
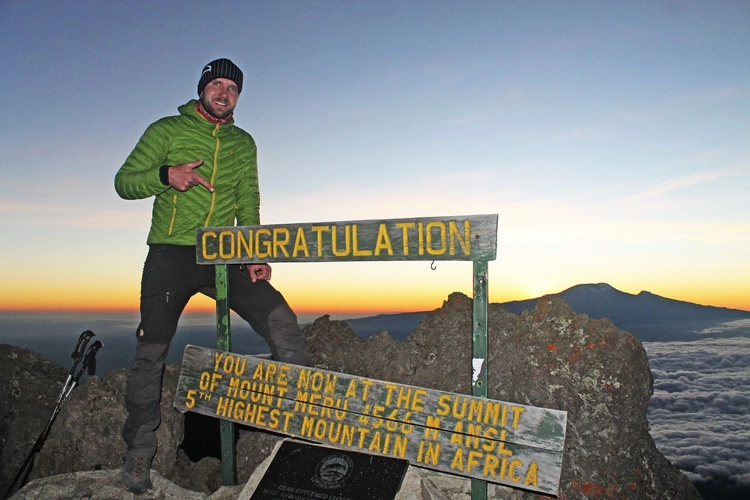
x,y
174,214
213,174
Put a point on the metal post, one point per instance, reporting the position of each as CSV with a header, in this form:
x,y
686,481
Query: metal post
x,y
224,343
479,353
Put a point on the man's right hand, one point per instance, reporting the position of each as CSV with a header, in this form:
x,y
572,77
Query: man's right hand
x,y
183,177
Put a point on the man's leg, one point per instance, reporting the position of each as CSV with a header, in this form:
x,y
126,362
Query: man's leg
x,y
142,399
268,313
286,336
167,284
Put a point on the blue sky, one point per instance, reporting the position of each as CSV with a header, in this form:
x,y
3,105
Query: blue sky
x,y
610,137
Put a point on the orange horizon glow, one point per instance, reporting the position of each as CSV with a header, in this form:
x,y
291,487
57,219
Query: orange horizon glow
x,y
324,303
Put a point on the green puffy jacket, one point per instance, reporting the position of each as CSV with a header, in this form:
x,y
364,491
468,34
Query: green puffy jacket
x,y
230,164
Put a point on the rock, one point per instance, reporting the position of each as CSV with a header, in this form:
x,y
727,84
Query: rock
x,y
30,385
101,485
548,357
87,436
253,447
203,475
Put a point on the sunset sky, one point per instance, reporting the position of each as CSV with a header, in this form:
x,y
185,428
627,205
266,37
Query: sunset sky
x,y
611,138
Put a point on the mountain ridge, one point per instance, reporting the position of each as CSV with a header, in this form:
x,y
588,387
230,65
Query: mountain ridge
x,y
649,316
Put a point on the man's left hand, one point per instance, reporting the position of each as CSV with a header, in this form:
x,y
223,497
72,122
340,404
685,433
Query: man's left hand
x,y
259,272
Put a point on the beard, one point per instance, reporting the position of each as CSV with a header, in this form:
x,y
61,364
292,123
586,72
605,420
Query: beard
x,y
220,112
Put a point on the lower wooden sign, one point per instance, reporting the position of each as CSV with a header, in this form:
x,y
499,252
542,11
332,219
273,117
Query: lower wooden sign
x,y
304,471
500,442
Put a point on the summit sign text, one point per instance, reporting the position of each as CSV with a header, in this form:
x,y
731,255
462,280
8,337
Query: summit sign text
x,y
471,237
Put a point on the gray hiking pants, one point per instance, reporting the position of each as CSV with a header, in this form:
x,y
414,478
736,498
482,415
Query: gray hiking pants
x,y
170,277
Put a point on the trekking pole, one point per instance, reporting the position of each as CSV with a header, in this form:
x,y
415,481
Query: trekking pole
x,y
77,355
89,360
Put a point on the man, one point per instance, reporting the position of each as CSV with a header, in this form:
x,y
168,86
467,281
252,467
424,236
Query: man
x,y
202,171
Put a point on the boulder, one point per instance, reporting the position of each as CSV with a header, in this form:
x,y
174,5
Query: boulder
x,y
30,385
87,436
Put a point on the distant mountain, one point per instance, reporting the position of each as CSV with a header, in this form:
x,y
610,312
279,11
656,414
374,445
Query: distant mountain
x,y
646,315
650,317
399,325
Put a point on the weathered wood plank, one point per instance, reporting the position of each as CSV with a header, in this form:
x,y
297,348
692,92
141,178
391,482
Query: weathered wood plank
x,y
491,440
471,237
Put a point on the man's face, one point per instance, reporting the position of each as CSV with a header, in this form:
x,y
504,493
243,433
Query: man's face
x,y
219,97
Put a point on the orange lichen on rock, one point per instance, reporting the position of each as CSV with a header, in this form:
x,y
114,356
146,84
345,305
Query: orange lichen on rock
x,y
578,352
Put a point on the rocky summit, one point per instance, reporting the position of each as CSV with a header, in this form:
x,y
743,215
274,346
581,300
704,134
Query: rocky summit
x,y
548,357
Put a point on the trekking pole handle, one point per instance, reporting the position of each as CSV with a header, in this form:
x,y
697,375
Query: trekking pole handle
x,y
82,341
90,357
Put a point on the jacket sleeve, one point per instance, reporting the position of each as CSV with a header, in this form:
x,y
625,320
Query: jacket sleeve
x,y
248,191
139,176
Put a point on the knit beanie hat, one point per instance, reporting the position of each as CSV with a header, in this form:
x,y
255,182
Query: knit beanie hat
x,y
220,68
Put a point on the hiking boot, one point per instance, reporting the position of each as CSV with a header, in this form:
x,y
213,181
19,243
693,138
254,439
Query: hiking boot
x,y
136,472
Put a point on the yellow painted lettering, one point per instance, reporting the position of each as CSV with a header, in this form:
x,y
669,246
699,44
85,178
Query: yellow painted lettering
x,y
347,241
383,242
417,403
458,460
405,226
431,427
283,375
375,443
460,412
531,476
443,406
280,241
517,410
215,377
303,379
420,238
320,230
490,434
351,391
264,240
308,424
491,463
258,373
273,419
300,244
245,244
218,356
473,460
463,240
367,384
457,436
475,410
491,412
204,381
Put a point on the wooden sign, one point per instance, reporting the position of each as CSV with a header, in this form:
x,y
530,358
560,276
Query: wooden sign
x,y
472,237
505,443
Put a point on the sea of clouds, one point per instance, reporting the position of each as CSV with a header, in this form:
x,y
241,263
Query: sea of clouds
x,y
700,411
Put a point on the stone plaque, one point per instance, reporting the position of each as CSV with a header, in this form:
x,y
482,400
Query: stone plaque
x,y
302,471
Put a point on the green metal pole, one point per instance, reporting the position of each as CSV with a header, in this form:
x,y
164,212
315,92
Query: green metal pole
x,y
224,343
479,353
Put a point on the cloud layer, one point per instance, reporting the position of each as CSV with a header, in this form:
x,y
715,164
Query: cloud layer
x,y
700,410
